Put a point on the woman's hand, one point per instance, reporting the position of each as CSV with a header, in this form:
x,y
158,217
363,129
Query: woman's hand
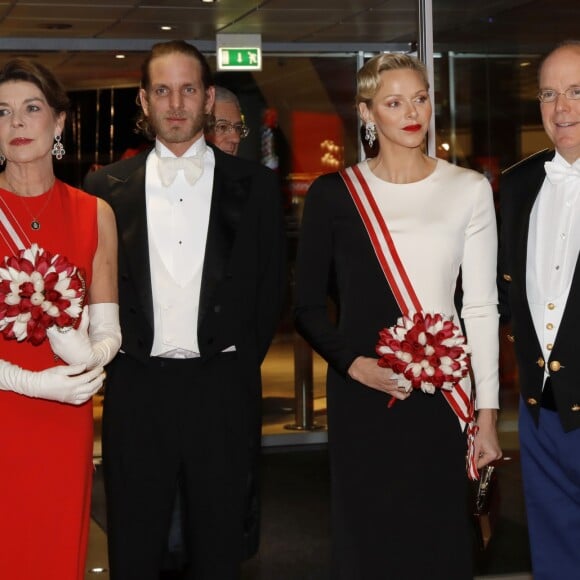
x,y
487,449
73,346
365,370
93,345
66,384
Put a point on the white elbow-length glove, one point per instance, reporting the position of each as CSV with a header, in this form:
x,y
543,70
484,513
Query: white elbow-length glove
x,y
66,384
95,342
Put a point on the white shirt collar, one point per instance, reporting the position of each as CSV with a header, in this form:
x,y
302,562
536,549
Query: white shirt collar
x,y
561,161
195,150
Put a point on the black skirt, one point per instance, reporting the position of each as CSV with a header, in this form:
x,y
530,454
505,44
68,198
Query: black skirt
x,y
399,486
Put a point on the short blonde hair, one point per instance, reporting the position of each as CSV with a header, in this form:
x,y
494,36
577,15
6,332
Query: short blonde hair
x,y
368,78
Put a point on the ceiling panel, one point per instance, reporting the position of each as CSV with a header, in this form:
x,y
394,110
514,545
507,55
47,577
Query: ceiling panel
x,y
47,13
349,5
186,13
493,26
65,5
82,70
190,30
295,25
237,6
172,15
30,28
369,27
78,70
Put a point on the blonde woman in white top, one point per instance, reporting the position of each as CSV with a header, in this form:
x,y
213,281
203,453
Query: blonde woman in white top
x,y
398,471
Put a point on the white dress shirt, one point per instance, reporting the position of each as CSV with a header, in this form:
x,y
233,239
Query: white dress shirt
x,y
553,246
177,223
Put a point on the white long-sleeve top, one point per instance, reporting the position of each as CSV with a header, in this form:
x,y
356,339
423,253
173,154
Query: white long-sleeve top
x,y
440,224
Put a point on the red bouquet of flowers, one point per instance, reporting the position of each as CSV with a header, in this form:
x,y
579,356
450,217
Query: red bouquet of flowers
x,y
426,351
38,290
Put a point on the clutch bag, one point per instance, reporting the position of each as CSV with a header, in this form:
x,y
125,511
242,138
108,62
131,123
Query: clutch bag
x,y
486,505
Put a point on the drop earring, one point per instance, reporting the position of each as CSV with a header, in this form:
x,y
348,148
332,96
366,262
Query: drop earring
x,y
58,148
370,133
2,159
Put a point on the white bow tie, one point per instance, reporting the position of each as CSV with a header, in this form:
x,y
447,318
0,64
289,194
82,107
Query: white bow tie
x,y
558,173
192,168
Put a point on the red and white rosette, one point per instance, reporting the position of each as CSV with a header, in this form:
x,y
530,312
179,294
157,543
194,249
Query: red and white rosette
x,y
427,351
38,290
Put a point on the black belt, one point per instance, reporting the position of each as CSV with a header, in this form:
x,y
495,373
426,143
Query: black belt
x,y
547,401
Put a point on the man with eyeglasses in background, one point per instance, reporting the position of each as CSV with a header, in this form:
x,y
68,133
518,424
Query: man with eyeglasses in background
x,y
225,130
228,127
540,291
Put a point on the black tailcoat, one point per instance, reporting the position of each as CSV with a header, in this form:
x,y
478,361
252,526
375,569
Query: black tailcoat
x,y
244,274
520,186
244,270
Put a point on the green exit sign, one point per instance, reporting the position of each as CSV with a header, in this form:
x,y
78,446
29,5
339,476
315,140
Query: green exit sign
x,y
231,58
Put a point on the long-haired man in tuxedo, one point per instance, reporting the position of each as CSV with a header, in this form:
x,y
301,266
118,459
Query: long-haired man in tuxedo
x,y
201,276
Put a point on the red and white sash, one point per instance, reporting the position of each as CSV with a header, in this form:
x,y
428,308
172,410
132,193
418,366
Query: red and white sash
x,y
10,231
403,291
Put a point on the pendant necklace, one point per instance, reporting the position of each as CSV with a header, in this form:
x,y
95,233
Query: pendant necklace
x,y
35,223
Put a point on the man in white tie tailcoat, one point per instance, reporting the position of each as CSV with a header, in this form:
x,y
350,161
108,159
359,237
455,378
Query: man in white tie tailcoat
x,y
201,278
540,292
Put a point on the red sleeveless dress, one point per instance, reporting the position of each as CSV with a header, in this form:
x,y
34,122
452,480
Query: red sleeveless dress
x,y
45,446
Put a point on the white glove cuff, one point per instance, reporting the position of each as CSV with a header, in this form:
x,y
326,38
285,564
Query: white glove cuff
x,y
104,332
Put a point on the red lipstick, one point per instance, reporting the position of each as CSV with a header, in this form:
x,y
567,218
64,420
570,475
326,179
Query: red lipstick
x,y
20,141
412,128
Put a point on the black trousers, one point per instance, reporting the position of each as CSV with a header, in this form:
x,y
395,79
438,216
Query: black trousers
x,y
176,557
173,421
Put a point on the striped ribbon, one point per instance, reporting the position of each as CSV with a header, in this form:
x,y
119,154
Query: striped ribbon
x,y
10,230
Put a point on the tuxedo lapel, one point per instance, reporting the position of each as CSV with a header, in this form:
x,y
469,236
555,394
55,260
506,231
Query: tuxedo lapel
x,y
531,187
568,326
128,200
231,188
229,195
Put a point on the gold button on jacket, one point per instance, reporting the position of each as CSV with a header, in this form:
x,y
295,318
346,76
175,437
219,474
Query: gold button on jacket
x,y
507,277
575,408
511,337
540,362
555,366
532,401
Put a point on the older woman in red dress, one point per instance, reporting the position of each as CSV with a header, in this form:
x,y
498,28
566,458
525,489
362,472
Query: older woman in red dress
x,y
57,252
